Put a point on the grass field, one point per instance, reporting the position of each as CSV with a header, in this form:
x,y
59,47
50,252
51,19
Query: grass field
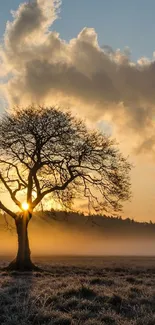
x,y
80,291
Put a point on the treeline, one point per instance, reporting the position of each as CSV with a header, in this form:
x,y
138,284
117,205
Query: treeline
x,y
99,224
107,225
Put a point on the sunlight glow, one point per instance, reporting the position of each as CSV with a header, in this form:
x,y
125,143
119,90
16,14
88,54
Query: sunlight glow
x,y
25,206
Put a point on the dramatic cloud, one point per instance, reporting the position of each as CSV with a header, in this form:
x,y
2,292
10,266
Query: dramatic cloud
x,y
98,81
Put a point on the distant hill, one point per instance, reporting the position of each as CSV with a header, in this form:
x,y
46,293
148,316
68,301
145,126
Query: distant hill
x,y
97,224
106,225
61,233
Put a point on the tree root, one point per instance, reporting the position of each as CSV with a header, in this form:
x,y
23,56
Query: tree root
x,y
27,266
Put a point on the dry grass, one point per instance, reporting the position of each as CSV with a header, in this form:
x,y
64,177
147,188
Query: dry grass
x,y
86,292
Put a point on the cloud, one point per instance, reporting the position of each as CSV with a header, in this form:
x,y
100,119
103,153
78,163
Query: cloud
x,y
97,80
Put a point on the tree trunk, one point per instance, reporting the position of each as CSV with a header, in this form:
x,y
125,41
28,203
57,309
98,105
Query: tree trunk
x,y
22,261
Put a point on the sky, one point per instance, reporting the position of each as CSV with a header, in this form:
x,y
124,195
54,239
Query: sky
x,y
118,23
96,57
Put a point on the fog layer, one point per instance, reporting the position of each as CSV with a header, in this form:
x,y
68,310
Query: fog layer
x,y
58,238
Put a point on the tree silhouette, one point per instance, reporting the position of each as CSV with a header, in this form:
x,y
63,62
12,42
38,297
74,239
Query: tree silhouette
x,y
43,151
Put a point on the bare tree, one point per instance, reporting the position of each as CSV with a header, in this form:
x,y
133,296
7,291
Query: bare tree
x,y
43,151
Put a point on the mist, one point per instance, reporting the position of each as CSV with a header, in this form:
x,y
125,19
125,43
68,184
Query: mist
x,y
58,239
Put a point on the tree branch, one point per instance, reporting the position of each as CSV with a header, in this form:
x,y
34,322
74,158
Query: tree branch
x,y
37,185
13,197
17,170
3,207
55,188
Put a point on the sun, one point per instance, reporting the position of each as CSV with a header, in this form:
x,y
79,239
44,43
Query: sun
x,y
25,206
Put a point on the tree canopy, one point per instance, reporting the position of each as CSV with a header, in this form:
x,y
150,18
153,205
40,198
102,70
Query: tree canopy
x,y
44,150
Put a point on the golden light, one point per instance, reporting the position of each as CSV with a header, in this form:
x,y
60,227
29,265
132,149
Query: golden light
x,y
25,206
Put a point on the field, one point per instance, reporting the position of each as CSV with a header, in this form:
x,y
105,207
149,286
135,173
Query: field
x,y
80,291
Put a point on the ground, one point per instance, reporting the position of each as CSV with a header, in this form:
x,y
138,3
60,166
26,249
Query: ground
x,y
80,291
